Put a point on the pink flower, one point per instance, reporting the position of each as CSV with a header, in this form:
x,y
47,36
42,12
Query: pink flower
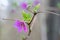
x,y
24,5
36,2
20,25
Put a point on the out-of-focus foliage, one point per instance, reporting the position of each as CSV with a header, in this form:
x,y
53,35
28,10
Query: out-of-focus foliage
x,y
58,4
36,7
14,4
26,16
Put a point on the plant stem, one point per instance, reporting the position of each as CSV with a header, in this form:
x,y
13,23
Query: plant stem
x,y
30,23
8,19
50,13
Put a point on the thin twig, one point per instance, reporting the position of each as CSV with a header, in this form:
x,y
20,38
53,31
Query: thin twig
x,y
30,24
32,18
50,13
53,9
11,19
54,13
8,19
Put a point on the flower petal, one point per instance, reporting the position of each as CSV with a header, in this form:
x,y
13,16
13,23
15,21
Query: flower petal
x,y
17,25
24,5
36,2
25,28
19,29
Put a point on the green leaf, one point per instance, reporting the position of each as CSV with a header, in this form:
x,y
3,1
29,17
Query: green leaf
x,y
26,16
36,7
58,4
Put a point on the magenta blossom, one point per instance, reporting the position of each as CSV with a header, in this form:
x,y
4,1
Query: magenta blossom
x,y
36,2
20,25
24,5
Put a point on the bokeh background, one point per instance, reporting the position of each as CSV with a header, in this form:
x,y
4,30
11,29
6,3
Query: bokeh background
x,y
45,26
